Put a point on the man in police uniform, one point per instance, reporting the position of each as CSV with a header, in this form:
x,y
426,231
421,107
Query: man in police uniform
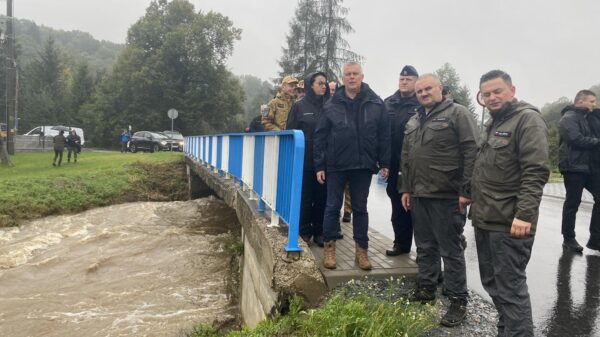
x,y
440,145
400,107
508,180
280,106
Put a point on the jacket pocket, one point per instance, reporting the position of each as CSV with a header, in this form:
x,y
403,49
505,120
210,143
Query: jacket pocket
x,y
441,132
443,178
497,208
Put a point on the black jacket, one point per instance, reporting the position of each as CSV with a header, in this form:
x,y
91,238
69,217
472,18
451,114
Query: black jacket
x,y
577,142
400,110
594,121
304,116
256,124
352,134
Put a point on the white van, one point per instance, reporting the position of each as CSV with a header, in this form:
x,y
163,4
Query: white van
x,y
50,130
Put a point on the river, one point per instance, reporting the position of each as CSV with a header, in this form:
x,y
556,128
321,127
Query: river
x,y
137,269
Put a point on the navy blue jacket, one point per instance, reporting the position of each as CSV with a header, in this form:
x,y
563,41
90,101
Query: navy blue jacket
x,y
400,109
352,133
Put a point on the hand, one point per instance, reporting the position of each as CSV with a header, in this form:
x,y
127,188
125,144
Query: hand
x,y
384,173
520,228
405,199
321,177
463,202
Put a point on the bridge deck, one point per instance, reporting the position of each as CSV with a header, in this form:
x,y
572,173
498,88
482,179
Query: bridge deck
x,y
383,266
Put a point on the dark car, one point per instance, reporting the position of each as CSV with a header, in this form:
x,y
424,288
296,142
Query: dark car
x,y
150,141
177,137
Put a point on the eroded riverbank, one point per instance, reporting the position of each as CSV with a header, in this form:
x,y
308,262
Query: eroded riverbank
x,y
137,269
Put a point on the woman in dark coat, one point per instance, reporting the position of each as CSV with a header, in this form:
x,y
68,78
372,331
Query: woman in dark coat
x,y
303,116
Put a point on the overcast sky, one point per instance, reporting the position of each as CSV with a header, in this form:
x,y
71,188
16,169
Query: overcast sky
x,y
550,47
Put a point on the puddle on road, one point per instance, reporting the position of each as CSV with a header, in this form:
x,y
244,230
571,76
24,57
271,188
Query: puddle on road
x,y
139,269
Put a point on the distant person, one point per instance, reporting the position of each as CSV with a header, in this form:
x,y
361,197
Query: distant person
x,y
578,145
438,153
400,106
594,120
304,116
59,147
332,88
510,172
125,140
279,107
73,146
256,123
351,143
300,90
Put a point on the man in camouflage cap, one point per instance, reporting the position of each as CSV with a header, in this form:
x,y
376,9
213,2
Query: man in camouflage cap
x,y
280,106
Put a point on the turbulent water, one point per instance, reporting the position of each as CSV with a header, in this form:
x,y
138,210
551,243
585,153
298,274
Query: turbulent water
x,y
139,269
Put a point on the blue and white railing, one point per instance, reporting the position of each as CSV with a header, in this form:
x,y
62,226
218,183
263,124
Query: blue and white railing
x,y
267,163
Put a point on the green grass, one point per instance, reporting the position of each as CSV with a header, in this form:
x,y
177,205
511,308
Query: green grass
x,y
33,188
354,313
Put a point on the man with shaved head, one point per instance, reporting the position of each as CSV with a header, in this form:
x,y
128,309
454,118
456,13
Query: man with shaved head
x,y
440,145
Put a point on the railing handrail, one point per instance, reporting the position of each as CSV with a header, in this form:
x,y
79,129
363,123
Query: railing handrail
x,y
268,163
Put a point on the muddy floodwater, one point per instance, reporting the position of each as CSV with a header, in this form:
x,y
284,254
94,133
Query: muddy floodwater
x,y
139,269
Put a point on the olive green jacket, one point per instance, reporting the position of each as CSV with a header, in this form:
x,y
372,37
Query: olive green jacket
x,y
438,155
511,169
279,108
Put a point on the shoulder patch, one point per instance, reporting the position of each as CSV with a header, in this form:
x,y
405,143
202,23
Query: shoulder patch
x,y
502,133
280,105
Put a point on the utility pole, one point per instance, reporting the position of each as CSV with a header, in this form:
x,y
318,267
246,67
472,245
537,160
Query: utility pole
x,y
11,72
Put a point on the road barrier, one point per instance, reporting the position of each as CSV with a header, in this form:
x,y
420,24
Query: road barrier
x,y
269,164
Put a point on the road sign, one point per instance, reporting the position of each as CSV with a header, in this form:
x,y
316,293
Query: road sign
x,y
172,113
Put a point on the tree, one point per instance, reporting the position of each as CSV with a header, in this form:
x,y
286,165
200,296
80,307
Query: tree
x,y
460,92
316,40
175,58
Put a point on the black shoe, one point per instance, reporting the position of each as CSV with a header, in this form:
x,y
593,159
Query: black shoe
x,y
423,295
306,238
456,312
396,250
572,245
318,240
346,217
463,241
339,236
593,246
53,164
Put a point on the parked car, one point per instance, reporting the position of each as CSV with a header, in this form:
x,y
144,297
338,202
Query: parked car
x,y
53,130
176,136
150,141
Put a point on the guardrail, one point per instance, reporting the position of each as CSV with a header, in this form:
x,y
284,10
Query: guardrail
x,y
269,164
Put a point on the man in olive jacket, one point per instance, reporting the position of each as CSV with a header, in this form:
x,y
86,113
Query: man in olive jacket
x,y
578,147
279,107
439,149
510,172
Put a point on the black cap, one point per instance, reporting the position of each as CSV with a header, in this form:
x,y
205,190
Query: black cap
x,y
409,71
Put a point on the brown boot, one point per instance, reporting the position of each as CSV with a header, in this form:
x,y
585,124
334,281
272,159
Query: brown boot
x,y
362,258
329,258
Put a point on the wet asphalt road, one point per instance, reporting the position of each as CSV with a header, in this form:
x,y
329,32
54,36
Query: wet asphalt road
x,y
564,287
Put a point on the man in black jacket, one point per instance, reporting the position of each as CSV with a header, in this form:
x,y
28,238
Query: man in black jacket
x,y
400,107
352,142
577,147
304,116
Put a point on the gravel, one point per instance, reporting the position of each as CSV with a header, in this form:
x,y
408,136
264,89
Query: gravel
x,y
481,315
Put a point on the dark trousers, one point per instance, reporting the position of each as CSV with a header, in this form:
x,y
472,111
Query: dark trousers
x,y
401,219
360,181
74,150
312,207
438,227
58,154
124,146
502,263
574,185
